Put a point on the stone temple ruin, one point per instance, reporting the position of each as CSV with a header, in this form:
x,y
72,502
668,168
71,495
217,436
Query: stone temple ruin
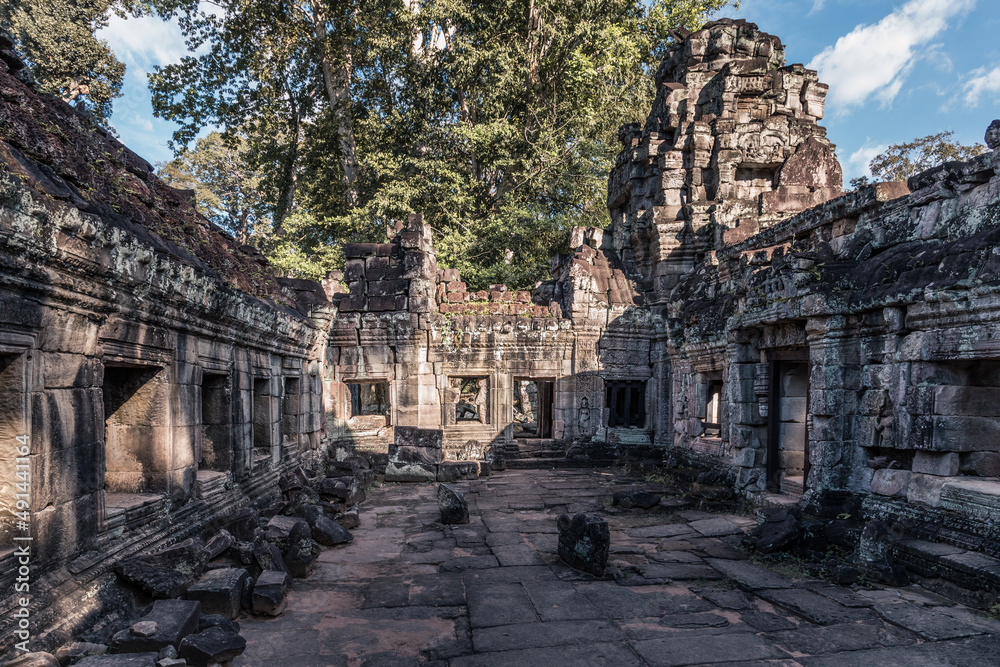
x,y
741,314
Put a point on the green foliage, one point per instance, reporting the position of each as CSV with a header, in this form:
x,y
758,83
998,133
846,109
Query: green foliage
x,y
495,120
900,161
57,40
226,187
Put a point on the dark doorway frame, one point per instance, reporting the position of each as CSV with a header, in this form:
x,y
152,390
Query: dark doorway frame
x,y
777,359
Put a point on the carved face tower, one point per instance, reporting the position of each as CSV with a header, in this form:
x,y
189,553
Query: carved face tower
x,y
731,147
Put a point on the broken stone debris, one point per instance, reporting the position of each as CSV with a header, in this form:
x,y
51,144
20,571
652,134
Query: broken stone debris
x,y
453,506
584,542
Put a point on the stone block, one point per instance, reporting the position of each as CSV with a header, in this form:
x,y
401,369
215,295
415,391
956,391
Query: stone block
x,y
980,464
167,573
219,591
173,619
967,401
452,471
268,597
944,464
964,434
213,646
584,542
329,533
451,502
926,489
418,437
746,457
415,454
410,472
893,483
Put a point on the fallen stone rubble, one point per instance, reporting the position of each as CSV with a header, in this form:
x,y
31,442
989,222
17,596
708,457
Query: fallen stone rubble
x,y
246,566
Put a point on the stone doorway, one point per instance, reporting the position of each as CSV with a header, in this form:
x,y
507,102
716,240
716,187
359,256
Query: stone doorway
x,y
533,408
263,422
215,450
13,425
787,448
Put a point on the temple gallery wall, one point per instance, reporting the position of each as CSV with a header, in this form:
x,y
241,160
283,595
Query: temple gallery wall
x,y
742,314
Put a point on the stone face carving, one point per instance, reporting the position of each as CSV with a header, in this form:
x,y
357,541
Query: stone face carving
x,y
731,147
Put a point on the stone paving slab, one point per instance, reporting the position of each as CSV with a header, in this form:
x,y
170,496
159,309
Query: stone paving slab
x,y
411,591
928,623
701,650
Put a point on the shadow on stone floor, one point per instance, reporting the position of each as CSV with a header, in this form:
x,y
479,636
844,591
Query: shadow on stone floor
x,y
409,590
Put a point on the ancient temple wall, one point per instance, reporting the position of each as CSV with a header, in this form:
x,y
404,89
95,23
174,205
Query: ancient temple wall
x,y
131,345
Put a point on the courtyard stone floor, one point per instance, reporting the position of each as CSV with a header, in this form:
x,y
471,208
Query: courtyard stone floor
x,y
409,590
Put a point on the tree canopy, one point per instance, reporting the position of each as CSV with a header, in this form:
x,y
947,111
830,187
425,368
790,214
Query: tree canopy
x,y
57,40
900,161
497,119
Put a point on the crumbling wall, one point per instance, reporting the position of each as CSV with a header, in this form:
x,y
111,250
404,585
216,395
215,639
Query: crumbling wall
x,y
731,147
458,361
120,307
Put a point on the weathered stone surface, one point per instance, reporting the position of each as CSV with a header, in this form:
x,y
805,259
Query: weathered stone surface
x,y
219,591
219,542
888,482
349,519
874,556
212,646
584,542
933,463
454,509
268,557
642,499
167,573
410,472
123,660
778,531
981,464
242,524
174,620
269,592
68,654
330,533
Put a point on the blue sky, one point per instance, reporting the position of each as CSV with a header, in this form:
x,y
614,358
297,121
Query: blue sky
x,y
897,69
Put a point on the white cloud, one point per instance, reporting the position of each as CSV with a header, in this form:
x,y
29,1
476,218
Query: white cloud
x,y
145,41
873,61
817,6
858,161
981,82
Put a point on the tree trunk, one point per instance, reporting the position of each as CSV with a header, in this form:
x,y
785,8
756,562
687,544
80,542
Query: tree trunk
x,y
287,198
337,80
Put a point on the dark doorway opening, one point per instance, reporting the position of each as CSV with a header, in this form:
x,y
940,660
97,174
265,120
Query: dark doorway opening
x,y
626,403
215,452
533,408
787,446
135,448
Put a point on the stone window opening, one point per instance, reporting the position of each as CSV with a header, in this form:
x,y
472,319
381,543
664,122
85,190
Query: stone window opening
x,y
136,439
291,404
626,403
369,399
216,443
532,408
262,419
471,395
712,421
12,426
